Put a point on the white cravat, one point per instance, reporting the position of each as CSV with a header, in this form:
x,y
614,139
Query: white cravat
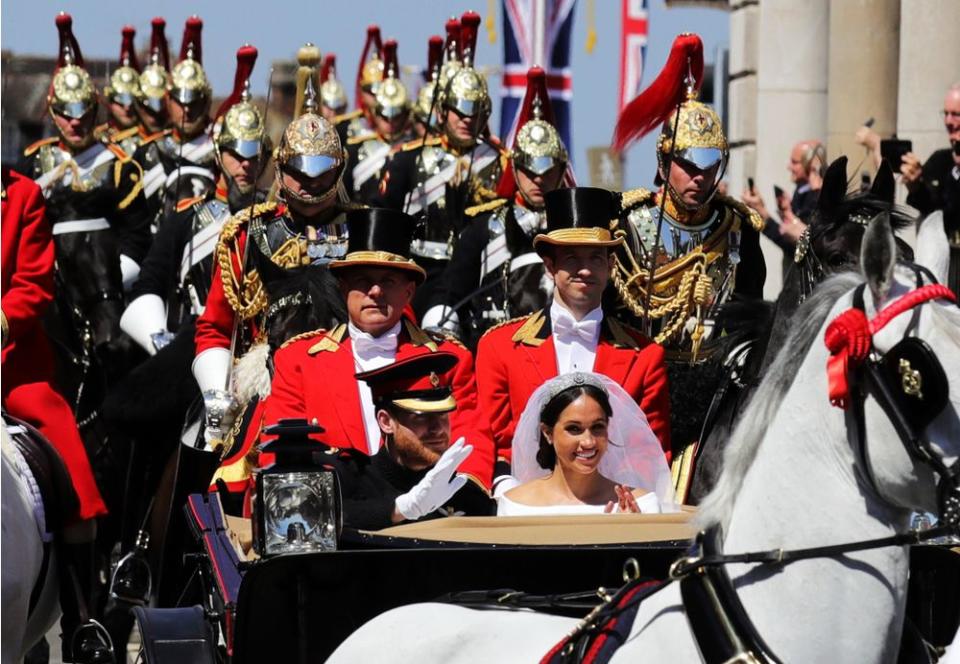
x,y
575,341
370,353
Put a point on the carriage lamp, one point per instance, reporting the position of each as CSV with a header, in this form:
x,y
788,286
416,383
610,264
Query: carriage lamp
x,y
296,502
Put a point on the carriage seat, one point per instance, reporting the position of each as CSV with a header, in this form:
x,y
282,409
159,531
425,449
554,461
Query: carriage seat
x,y
60,500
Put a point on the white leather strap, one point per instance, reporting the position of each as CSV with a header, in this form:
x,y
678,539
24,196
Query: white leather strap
x,y
80,226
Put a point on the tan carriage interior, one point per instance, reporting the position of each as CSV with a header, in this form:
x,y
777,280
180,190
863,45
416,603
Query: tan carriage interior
x,y
523,530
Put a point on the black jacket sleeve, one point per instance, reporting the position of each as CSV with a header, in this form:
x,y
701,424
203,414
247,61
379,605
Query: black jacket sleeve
x,y
462,275
397,180
752,271
131,218
160,270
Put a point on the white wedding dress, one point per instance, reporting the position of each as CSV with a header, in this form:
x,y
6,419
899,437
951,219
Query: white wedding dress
x,y
648,504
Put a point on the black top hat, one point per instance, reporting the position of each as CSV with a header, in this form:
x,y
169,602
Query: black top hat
x,y
580,216
415,383
381,238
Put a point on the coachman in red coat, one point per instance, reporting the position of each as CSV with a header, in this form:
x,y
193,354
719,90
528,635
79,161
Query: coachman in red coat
x,y
574,333
28,370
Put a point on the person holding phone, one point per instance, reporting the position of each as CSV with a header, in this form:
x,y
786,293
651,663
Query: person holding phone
x,y
936,184
807,160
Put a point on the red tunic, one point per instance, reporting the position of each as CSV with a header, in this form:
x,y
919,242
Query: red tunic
x,y
513,360
28,370
314,378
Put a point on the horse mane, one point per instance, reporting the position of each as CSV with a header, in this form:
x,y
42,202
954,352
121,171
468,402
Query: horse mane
x,y
763,406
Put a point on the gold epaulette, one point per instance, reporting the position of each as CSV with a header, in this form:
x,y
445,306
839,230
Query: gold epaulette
x,y
415,143
331,340
633,197
33,147
350,115
185,203
102,132
244,215
745,211
486,207
362,138
302,336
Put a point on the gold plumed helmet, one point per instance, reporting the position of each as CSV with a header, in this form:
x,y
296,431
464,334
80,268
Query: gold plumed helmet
x,y
154,79
239,124
371,70
466,91
124,85
700,139
72,92
425,97
311,147
392,99
332,93
538,146
188,81
453,53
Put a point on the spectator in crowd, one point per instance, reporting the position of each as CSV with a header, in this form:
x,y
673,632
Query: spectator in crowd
x,y
936,184
807,161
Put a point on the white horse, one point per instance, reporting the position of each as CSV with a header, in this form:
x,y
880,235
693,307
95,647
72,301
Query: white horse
x,y
791,479
22,561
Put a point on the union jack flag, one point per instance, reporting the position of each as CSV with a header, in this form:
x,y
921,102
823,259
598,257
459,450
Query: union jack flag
x,y
536,32
633,48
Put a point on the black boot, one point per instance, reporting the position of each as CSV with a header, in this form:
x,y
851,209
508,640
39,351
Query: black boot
x,y
83,640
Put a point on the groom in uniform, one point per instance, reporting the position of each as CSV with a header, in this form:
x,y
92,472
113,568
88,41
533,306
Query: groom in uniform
x,y
574,333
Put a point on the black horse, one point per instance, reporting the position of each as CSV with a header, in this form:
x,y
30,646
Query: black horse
x,y
756,330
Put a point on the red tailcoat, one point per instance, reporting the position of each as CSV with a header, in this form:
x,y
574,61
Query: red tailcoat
x,y
28,370
314,378
513,360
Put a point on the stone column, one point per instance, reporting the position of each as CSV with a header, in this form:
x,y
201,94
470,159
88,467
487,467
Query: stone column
x,y
864,48
929,57
791,99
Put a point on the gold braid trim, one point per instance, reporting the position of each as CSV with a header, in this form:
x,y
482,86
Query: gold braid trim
x,y
748,213
248,298
303,335
136,176
485,207
633,197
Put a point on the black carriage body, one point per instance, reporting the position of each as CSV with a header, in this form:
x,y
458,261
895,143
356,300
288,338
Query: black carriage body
x,y
300,608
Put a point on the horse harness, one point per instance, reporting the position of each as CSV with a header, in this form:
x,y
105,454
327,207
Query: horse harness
x,y
909,383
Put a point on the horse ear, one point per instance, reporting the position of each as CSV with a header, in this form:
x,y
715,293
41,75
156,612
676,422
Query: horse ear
x,y
834,188
878,255
883,184
933,251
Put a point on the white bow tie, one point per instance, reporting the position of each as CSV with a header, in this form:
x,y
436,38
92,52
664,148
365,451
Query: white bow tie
x,y
567,328
367,345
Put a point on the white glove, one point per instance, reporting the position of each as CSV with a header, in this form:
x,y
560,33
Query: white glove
x,y
431,319
129,271
143,318
436,488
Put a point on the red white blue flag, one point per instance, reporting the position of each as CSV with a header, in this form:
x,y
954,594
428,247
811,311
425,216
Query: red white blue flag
x,y
633,49
536,32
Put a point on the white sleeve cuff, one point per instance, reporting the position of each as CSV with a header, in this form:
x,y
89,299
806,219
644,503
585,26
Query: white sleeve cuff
x,y
211,368
143,317
130,270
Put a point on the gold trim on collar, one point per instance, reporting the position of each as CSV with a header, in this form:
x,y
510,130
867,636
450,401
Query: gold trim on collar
x,y
418,337
330,341
527,334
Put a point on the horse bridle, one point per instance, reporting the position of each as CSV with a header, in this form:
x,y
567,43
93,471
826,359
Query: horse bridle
x,y
911,386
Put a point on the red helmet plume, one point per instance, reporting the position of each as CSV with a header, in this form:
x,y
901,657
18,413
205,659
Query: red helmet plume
x,y
390,58
192,39
246,59
67,41
158,41
329,67
454,44
469,24
373,40
128,53
434,57
662,97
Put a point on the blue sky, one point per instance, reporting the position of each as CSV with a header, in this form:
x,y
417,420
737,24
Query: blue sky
x,y
27,26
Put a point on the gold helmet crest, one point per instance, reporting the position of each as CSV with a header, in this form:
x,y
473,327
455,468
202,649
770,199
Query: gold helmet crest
x,y
154,79
124,85
72,93
188,81
239,124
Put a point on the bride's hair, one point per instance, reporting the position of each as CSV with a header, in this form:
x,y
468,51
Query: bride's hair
x,y
546,455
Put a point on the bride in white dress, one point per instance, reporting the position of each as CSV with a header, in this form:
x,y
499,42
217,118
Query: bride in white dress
x,y
583,446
